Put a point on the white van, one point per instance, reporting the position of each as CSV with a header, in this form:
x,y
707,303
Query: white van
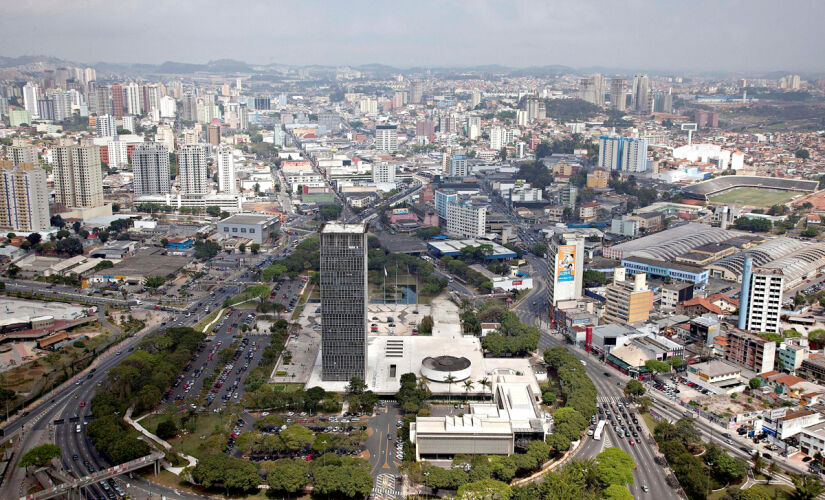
x,y
77,428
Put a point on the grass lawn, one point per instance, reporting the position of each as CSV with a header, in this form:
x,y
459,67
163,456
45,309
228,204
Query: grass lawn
x,y
302,302
189,442
753,196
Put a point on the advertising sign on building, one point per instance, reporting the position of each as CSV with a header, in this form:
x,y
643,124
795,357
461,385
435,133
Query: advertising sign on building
x,y
399,211
566,263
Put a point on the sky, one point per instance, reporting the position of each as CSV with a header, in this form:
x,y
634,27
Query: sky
x,y
694,35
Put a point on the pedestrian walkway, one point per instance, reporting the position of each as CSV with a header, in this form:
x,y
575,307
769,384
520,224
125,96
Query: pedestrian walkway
x,y
385,488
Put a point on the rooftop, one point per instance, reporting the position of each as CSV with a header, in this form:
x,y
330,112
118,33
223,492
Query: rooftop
x,y
248,219
338,227
716,368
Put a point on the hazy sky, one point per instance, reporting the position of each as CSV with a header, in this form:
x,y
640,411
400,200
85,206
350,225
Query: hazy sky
x,y
738,35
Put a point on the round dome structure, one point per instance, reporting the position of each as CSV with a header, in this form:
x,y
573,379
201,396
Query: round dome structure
x,y
438,368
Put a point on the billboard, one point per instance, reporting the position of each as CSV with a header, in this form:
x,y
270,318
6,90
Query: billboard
x,y
566,263
689,127
399,211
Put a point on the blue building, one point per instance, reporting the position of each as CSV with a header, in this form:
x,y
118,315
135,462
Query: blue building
x,y
180,244
623,153
662,270
443,196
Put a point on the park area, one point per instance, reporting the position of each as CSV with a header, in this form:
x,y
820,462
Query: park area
x,y
756,197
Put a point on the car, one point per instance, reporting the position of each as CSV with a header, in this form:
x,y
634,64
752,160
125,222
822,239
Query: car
x,y
645,488
82,403
631,442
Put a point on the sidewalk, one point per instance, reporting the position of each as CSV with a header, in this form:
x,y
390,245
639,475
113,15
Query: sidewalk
x,y
166,446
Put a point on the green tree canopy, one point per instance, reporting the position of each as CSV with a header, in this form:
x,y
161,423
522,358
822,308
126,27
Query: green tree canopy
x,y
40,456
287,475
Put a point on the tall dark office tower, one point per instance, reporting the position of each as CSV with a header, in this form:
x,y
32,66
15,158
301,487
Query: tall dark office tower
x,y
343,301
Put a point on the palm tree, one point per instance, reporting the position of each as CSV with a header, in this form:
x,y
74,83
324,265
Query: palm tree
x,y
468,385
450,379
485,382
805,487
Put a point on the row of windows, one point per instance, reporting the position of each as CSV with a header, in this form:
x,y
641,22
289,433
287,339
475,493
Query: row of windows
x,y
235,229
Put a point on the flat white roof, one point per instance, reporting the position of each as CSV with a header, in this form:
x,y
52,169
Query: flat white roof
x,y
337,227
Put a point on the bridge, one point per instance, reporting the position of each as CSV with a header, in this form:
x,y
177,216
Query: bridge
x,y
72,490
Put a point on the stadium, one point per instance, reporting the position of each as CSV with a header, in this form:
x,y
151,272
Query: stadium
x,y
749,190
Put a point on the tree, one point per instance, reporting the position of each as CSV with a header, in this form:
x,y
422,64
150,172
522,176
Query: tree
x,y
755,383
356,386
468,386
654,365
803,154
483,489
634,388
297,437
40,456
69,246
34,238
348,480
166,429
242,247
57,221
450,380
644,404
425,327
289,476
616,492
758,463
614,466
805,487
255,248
76,225
154,282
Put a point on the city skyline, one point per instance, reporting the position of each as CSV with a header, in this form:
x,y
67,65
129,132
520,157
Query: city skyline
x,y
731,36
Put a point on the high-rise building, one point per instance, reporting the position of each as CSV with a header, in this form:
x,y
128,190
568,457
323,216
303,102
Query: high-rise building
x,y
475,99
23,153
591,89
150,163
243,117
565,253
45,109
192,172
344,293
425,128
416,92
31,93
168,107
262,103
386,138
117,100
78,179
100,101
62,102
106,126
618,94
623,153
190,107
383,172
213,134
226,169
535,107
762,298
24,197
458,166
498,138
89,75
642,97
466,219
132,91
627,301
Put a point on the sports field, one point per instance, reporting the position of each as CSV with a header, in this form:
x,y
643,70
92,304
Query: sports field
x,y
757,197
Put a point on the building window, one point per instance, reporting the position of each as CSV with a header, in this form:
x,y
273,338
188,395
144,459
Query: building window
x,y
252,230
243,229
234,229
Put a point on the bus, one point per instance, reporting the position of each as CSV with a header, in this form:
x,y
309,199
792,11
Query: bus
x,y
597,434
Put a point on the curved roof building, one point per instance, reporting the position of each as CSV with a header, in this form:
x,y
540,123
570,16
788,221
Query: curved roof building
x,y
667,244
797,259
